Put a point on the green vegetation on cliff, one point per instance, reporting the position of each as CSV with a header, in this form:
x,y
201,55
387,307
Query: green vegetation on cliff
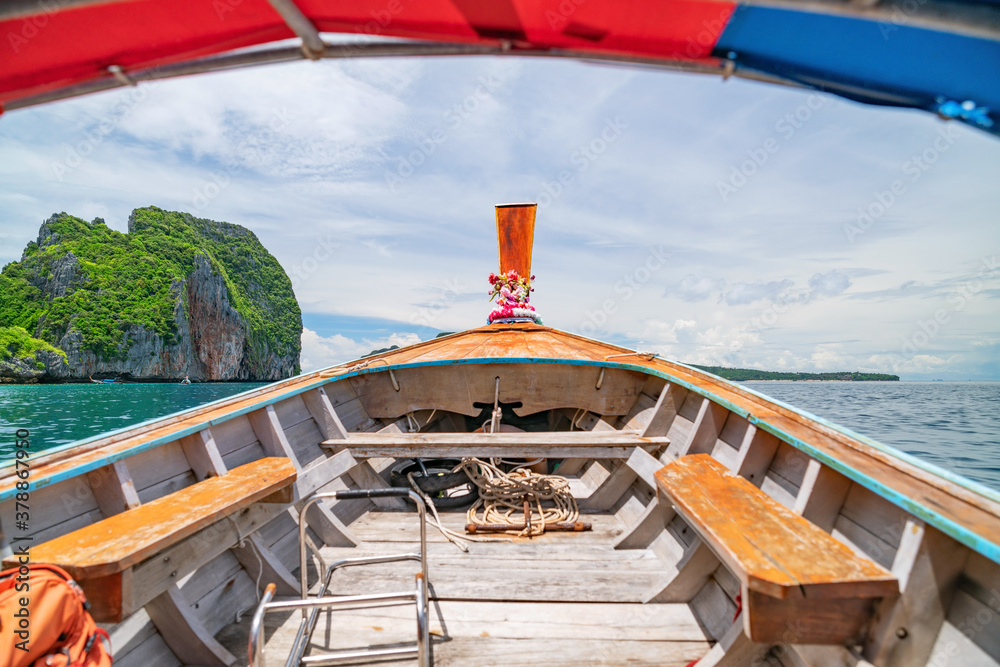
x,y
16,342
88,278
746,374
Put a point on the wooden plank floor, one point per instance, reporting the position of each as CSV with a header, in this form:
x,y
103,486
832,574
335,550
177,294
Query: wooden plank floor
x,y
559,599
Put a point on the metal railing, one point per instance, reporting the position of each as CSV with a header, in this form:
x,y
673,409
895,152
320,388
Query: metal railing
x,y
311,606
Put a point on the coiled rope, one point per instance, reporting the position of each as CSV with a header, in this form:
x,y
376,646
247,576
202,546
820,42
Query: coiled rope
x,y
504,497
522,499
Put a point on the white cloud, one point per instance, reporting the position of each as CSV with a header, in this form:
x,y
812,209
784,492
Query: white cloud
x,y
321,352
692,288
743,292
258,119
313,188
831,283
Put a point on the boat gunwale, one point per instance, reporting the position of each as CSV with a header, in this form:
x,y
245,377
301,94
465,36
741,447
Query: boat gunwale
x,y
51,455
934,476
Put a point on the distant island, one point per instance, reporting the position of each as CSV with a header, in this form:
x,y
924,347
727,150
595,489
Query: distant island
x,y
746,374
176,296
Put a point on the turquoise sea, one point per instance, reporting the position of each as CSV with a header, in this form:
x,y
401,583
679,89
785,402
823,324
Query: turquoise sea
x,y
955,425
57,414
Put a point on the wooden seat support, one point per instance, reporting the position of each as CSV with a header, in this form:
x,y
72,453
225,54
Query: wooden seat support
x,y
102,556
799,585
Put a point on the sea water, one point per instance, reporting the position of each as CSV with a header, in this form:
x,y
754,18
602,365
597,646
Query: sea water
x,y
955,425
58,414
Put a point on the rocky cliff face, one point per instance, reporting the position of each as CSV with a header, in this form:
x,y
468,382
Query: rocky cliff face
x,y
32,366
220,335
175,297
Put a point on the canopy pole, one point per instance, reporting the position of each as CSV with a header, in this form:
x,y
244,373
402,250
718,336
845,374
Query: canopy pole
x,y
282,54
121,76
312,43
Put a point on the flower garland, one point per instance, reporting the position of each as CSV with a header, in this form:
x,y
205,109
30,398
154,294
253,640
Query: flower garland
x,y
512,293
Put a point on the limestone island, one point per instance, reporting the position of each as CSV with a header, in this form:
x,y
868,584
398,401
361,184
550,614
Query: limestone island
x,y
176,297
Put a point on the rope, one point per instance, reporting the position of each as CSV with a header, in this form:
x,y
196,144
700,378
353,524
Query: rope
x,y
502,496
350,369
449,534
648,356
516,464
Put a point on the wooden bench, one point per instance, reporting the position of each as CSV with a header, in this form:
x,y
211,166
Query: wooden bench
x,y
799,585
113,559
569,444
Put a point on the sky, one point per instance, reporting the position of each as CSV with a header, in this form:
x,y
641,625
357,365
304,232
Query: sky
x,y
715,222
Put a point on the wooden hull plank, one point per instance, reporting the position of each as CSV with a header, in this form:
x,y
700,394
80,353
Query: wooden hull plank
x,y
479,634
183,633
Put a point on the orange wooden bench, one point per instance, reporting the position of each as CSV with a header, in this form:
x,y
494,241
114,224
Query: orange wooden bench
x,y
798,584
129,558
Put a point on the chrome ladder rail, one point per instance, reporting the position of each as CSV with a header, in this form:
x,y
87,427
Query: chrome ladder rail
x,y
311,606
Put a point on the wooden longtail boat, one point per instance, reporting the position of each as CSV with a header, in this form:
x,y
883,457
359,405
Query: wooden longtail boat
x,y
725,527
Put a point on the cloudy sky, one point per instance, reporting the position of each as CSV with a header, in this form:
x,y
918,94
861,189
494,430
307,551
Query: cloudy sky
x,y
725,223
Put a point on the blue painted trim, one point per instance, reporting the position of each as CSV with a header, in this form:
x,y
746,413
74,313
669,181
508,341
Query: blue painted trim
x,y
76,471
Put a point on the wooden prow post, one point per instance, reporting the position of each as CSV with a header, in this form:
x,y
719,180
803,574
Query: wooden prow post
x,y
515,236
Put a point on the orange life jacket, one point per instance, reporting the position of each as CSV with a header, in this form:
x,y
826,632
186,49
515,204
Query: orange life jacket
x,y
44,621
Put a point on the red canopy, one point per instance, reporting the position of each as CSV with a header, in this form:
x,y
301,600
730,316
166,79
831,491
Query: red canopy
x,y
80,41
937,55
